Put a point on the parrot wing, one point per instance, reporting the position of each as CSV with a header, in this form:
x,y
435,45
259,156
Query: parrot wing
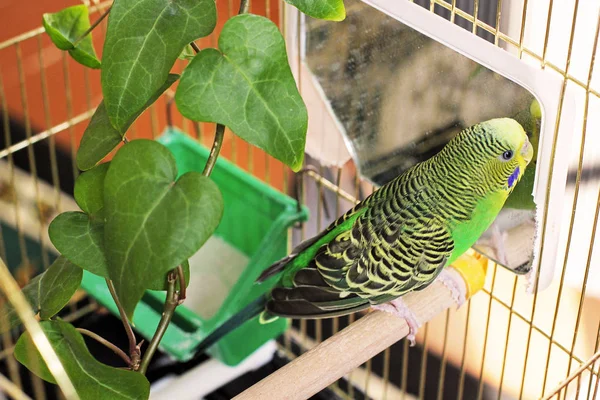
x,y
310,246
389,250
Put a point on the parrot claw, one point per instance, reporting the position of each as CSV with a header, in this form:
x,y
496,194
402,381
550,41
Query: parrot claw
x,y
453,281
400,309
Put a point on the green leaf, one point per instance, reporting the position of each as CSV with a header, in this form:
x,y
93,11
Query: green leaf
x,y
91,379
101,137
8,316
187,54
80,238
153,221
89,189
331,10
248,86
47,293
57,286
66,27
143,40
160,282
186,273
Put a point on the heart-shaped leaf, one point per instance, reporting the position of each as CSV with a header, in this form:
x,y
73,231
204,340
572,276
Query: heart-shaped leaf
x,y
248,86
91,379
332,10
153,221
57,286
65,29
47,293
101,137
143,40
79,236
89,189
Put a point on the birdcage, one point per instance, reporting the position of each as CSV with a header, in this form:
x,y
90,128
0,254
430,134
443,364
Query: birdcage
x,y
534,336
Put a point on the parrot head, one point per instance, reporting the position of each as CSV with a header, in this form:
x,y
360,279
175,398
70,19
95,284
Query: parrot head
x,y
511,151
497,152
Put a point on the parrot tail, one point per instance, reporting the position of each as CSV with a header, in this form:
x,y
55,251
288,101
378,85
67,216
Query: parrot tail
x,y
253,309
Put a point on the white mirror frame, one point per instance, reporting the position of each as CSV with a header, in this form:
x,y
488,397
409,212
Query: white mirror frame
x,y
544,85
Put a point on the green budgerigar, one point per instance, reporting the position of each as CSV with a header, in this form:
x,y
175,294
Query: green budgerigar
x,y
401,237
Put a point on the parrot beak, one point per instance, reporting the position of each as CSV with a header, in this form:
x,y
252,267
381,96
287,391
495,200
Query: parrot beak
x,y
527,151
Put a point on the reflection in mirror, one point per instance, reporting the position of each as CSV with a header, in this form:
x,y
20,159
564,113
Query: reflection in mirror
x,y
400,96
487,12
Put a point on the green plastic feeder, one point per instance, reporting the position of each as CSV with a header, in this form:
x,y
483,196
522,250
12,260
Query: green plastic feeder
x,y
255,222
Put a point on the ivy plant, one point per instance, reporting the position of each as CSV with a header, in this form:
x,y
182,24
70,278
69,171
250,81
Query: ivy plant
x,y
139,220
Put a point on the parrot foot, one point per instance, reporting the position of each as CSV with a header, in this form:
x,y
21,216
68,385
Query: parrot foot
x,y
453,281
399,308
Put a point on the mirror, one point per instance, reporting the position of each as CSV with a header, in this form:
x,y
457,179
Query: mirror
x,y
400,96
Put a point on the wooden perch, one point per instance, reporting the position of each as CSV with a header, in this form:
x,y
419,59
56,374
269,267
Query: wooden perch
x,y
365,338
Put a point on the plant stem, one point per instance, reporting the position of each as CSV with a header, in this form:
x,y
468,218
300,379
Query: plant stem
x,y
134,351
106,343
216,148
244,5
171,302
92,27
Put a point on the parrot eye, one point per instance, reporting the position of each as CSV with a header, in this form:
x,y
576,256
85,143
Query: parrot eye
x,y
507,155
